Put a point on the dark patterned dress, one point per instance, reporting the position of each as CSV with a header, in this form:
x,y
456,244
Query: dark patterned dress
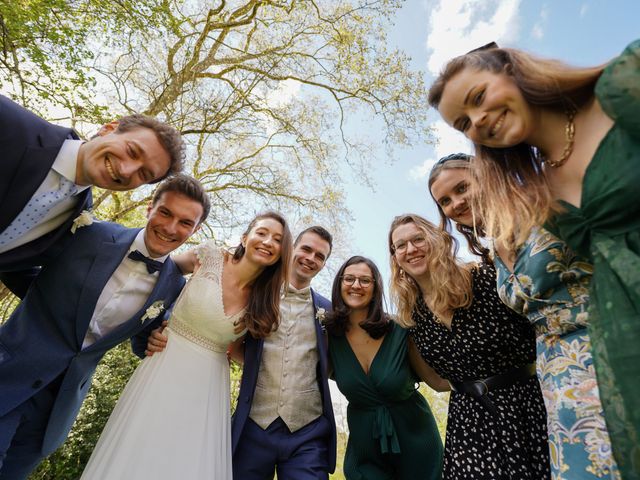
x,y
487,339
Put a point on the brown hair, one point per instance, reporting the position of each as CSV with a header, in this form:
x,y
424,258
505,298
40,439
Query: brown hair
x,y
471,234
169,138
188,186
263,309
449,280
514,195
377,323
322,232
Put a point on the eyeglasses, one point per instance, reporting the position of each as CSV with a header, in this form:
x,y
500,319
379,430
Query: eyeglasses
x,y
418,241
365,282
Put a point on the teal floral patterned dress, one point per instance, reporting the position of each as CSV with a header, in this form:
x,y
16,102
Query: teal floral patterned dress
x,y
550,286
605,229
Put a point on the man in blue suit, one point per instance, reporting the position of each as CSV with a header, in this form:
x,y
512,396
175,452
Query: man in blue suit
x,y
284,419
101,290
46,173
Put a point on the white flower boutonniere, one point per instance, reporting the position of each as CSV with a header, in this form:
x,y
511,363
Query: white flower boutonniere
x,y
83,220
321,314
153,311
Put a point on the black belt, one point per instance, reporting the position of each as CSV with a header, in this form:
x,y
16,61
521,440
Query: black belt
x,y
479,388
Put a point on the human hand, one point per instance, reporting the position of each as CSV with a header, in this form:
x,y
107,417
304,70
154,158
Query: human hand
x,y
157,340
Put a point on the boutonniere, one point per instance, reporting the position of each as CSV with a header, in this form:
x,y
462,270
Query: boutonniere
x,y
153,311
321,314
83,220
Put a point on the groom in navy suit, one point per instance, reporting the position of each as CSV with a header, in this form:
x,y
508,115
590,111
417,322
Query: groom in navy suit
x,y
284,418
46,173
101,290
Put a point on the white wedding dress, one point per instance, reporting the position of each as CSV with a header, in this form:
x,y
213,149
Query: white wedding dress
x,y
172,421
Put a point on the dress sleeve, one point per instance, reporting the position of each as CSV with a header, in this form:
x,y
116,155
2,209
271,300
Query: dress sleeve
x,y
618,89
209,255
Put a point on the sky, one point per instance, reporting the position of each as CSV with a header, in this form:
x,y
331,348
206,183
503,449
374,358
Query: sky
x,y
580,32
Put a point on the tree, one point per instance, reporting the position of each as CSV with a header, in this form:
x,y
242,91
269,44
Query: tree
x,y
266,92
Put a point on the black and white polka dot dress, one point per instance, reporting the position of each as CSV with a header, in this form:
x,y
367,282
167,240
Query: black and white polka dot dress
x,y
487,339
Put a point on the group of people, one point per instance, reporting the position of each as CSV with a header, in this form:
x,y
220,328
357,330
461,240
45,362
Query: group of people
x,y
537,339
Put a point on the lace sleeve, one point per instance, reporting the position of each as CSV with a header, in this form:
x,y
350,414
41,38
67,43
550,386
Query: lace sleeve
x,y
210,257
618,89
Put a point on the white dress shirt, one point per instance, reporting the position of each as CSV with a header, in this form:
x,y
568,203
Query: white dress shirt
x,y
64,165
124,294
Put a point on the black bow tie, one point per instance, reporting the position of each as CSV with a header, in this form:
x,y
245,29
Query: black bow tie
x,y
152,265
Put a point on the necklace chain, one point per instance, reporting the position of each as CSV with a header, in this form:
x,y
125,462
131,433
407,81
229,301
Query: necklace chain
x,y
570,132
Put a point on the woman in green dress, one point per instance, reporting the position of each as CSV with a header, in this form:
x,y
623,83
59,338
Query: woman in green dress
x,y
560,146
392,432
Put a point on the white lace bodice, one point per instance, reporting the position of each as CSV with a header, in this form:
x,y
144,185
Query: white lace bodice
x,y
199,311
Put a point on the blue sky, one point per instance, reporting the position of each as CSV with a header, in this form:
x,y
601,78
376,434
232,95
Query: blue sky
x,y
431,32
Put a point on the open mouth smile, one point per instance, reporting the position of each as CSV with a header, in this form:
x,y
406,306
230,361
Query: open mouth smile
x,y
498,125
110,170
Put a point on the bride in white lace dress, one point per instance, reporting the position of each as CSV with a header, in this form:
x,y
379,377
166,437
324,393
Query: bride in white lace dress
x,y
173,418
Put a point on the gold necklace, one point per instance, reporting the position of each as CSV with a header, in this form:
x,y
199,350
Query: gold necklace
x,y
570,132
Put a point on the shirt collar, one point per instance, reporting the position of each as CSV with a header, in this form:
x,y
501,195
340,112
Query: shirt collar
x,y
138,244
66,162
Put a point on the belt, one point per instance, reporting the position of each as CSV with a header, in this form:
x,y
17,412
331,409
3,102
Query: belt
x,y
480,388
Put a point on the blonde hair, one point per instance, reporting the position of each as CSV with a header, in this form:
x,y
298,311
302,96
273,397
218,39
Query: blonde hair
x,y
514,195
450,283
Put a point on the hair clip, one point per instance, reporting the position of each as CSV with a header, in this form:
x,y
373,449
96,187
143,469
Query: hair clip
x,y
488,46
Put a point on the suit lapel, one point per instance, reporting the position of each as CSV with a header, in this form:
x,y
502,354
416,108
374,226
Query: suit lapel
x,y
109,256
163,290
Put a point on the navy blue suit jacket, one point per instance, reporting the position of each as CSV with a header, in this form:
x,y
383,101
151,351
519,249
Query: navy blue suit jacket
x,y
43,338
253,357
28,147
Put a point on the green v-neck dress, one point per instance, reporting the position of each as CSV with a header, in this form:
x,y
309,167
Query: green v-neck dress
x,y
392,432
605,229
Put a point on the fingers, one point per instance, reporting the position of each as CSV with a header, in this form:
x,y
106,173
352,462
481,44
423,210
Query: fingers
x,y
157,340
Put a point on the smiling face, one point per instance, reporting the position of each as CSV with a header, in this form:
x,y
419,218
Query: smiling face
x,y
409,257
171,221
356,296
121,161
487,107
263,243
309,257
452,190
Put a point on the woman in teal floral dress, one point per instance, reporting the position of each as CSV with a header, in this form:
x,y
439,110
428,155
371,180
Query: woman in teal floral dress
x,y
548,284
560,146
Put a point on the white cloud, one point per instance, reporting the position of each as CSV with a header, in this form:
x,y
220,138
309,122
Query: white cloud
x,y
457,26
450,141
584,8
281,96
537,31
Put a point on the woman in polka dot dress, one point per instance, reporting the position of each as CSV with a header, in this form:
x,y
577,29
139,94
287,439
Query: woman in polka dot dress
x,y
496,425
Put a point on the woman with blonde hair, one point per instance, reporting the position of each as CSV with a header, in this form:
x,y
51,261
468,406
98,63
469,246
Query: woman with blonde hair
x,y
560,146
496,425
549,284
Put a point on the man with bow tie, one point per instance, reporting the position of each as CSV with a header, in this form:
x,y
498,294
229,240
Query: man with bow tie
x,y
109,283
47,172
284,418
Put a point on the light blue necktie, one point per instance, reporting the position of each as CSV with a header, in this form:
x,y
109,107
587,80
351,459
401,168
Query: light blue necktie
x,y
36,210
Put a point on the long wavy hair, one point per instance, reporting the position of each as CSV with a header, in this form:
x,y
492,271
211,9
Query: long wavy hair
x,y
460,161
263,309
515,196
377,323
449,281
